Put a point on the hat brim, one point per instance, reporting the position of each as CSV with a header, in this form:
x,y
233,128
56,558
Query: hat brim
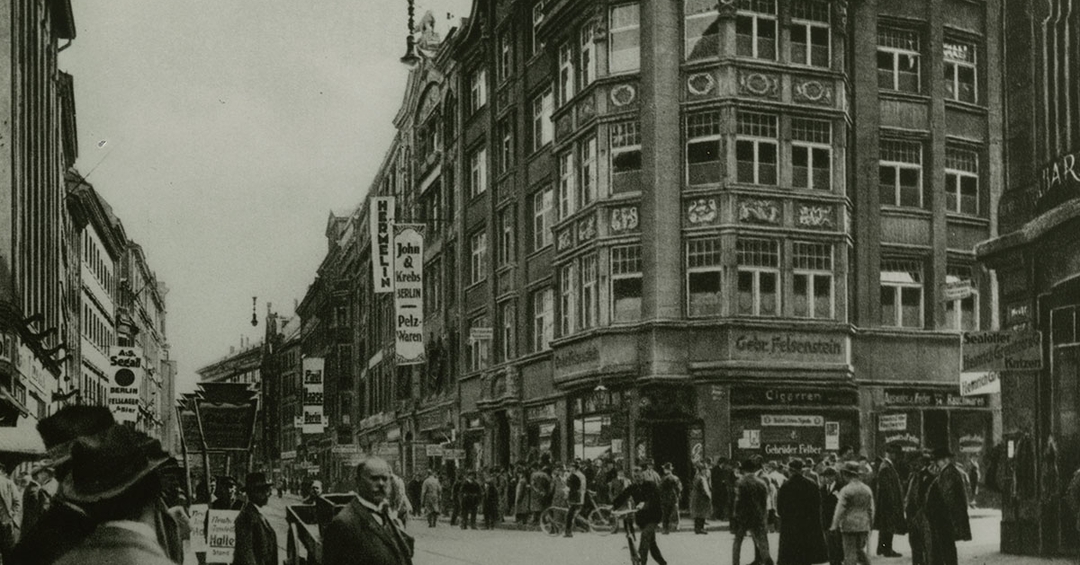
x,y
72,493
258,485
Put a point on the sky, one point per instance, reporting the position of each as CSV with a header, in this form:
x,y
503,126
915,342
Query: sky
x,y
224,132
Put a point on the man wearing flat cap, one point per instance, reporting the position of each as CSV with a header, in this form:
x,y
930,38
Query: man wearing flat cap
x,y
946,509
854,514
256,542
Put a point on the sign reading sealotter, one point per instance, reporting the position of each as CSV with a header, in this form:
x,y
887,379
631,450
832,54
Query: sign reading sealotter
x,y
998,351
382,213
127,373
409,293
784,346
221,536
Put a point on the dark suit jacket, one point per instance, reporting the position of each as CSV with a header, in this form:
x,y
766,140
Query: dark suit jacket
x,y
889,500
256,542
115,546
355,536
646,493
60,528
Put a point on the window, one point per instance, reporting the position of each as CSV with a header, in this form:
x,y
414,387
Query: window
x,y
543,208
587,177
703,153
756,148
961,181
507,323
811,154
898,60
505,56
537,19
900,173
810,33
901,293
701,24
566,184
543,308
478,172
590,302
479,347
478,266
759,276
587,56
960,73
506,144
506,236
451,274
755,29
566,73
625,156
567,302
433,287
624,39
477,90
813,279
543,129
703,276
961,314
626,283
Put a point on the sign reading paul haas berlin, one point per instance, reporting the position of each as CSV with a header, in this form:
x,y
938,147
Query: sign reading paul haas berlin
x,y
409,293
126,374
382,220
313,395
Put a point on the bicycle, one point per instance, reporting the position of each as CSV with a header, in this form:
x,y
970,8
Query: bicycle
x,y
592,517
627,517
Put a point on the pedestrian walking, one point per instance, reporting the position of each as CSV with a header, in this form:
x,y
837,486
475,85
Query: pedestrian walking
x,y
256,542
718,485
225,495
830,491
889,502
364,531
749,514
431,497
922,476
946,510
649,474
10,511
398,499
522,498
455,499
576,485
798,504
854,515
701,498
504,491
670,494
541,494
414,489
471,494
974,476
646,495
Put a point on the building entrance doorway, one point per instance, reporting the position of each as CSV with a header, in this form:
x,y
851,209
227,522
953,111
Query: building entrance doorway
x,y
670,445
936,428
502,440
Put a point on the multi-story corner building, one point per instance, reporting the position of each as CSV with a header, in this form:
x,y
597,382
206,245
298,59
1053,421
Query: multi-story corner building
x,y
37,112
282,396
1037,260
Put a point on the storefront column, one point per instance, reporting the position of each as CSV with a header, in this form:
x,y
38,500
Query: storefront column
x,y
714,409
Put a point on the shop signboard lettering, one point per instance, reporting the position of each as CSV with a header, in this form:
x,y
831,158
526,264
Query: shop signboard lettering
x,y
832,436
923,398
908,441
1059,182
793,397
227,426
313,395
409,293
382,263
972,384
892,422
198,526
971,443
542,412
575,358
786,346
998,351
126,374
792,421
433,450
221,536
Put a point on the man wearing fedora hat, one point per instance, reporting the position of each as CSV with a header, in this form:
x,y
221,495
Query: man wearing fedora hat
x,y
256,542
946,509
889,502
750,514
854,514
670,494
114,477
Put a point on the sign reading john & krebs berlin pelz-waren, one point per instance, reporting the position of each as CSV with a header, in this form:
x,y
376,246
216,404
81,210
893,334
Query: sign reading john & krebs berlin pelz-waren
x,y
313,395
126,374
788,346
382,263
997,351
408,249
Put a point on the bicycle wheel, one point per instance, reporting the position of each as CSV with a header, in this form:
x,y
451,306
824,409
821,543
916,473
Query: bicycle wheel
x,y
550,523
602,521
635,559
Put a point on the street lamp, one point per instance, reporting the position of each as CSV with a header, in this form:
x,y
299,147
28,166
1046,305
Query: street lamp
x,y
411,58
254,318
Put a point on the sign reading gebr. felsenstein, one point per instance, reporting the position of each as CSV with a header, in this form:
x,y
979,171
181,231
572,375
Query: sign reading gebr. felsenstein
x,y
126,374
382,262
313,395
409,293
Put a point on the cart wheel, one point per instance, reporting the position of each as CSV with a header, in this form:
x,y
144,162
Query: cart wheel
x,y
601,521
549,522
292,556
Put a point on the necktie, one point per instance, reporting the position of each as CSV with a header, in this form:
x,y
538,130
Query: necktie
x,y
389,524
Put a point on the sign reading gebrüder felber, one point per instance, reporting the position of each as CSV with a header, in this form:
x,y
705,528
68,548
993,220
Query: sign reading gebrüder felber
x,y
126,374
997,351
382,241
313,395
409,293
788,346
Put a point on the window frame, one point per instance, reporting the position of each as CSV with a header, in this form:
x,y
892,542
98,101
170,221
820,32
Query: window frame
x,y
757,141
567,74
954,180
756,17
543,309
479,349
543,218
567,170
896,52
624,264
810,146
543,107
711,40
589,289
507,330
624,138
757,272
567,299
711,133
812,274
709,262
478,257
477,90
898,166
898,287
586,55
955,65
478,171
505,60
809,25
614,32
537,19
588,176
954,309
507,236
505,129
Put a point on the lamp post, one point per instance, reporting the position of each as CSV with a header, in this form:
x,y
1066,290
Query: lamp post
x,y
411,58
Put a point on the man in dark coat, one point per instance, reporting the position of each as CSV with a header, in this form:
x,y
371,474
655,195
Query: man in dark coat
x,y
889,502
471,493
946,510
750,514
798,503
646,495
540,495
256,542
830,492
364,531
719,489
670,494
922,476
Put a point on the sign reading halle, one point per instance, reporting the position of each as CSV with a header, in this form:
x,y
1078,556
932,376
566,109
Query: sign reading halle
x,y
126,373
313,395
382,240
409,293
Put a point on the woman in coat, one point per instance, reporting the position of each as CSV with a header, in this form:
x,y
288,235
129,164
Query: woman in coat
x,y
798,502
522,498
701,498
431,497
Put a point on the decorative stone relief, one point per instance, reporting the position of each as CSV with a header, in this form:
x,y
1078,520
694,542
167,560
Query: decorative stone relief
x,y
564,126
565,239
623,95
815,216
841,15
586,109
726,8
812,91
624,219
759,211
759,84
586,229
702,211
700,84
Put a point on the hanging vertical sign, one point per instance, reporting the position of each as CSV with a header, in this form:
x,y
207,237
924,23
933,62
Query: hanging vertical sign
x,y
125,379
382,214
409,293
313,395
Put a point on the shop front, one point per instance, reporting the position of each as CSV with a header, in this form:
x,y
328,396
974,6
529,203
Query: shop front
x,y
542,433
472,441
433,443
927,418
783,422
598,425
666,428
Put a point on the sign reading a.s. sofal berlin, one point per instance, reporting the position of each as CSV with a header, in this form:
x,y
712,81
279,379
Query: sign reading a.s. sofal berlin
x,y
409,293
1001,351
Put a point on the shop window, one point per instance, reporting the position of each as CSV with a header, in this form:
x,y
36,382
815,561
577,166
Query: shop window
x,y
567,184
900,173
813,280
543,129
477,90
433,287
759,276
478,172
901,293
811,154
703,288
507,236
625,156
755,29
543,308
756,148
590,296
703,150
507,323
626,283
810,39
898,60
478,264
960,71
543,208
961,181
587,172
479,348
624,39
566,73
592,437
567,300
587,56
701,23
962,314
